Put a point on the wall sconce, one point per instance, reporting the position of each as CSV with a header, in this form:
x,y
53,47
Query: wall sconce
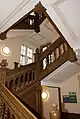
x,y
5,50
45,95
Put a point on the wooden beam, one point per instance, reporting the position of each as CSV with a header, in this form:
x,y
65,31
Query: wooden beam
x,y
30,22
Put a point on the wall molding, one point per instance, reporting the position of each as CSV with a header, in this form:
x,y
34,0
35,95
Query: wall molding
x,y
14,13
56,8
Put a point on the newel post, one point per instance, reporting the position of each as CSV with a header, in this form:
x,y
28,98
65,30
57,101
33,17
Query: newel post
x,y
72,55
3,71
38,93
37,60
16,65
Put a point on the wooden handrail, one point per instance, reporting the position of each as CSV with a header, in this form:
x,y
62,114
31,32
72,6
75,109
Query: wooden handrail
x,y
10,106
19,69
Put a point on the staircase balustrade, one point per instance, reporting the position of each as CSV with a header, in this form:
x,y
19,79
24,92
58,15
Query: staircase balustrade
x,y
20,78
54,56
11,107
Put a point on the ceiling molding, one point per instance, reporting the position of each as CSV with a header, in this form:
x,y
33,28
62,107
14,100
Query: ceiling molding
x,y
63,19
58,2
14,12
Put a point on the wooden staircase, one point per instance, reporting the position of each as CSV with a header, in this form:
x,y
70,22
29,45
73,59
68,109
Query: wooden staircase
x,y
23,83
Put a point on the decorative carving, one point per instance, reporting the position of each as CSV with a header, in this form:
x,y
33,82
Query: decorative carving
x,y
39,9
11,108
4,63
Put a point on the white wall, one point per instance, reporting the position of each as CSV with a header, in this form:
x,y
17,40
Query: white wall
x,y
14,45
53,99
72,85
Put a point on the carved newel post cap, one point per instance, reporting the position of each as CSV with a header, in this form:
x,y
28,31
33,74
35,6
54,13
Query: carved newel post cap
x,y
39,8
4,63
37,50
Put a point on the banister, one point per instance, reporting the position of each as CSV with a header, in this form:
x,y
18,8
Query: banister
x,y
55,55
19,69
13,106
52,47
22,80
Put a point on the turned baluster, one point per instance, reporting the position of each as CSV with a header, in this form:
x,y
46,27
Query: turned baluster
x,y
61,49
47,60
11,85
65,47
57,53
6,115
21,82
18,84
1,109
3,113
30,76
53,56
50,58
33,75
26,79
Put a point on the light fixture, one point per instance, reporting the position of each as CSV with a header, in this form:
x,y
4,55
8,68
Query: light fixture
x,y
45,95
5,50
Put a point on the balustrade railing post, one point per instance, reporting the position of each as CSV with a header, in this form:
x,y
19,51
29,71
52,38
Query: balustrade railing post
x,y
71,55
37,60
3,71
38,98
16,65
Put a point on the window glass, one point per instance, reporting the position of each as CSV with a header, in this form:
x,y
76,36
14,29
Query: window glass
x,y
26,55
23,55
29,55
